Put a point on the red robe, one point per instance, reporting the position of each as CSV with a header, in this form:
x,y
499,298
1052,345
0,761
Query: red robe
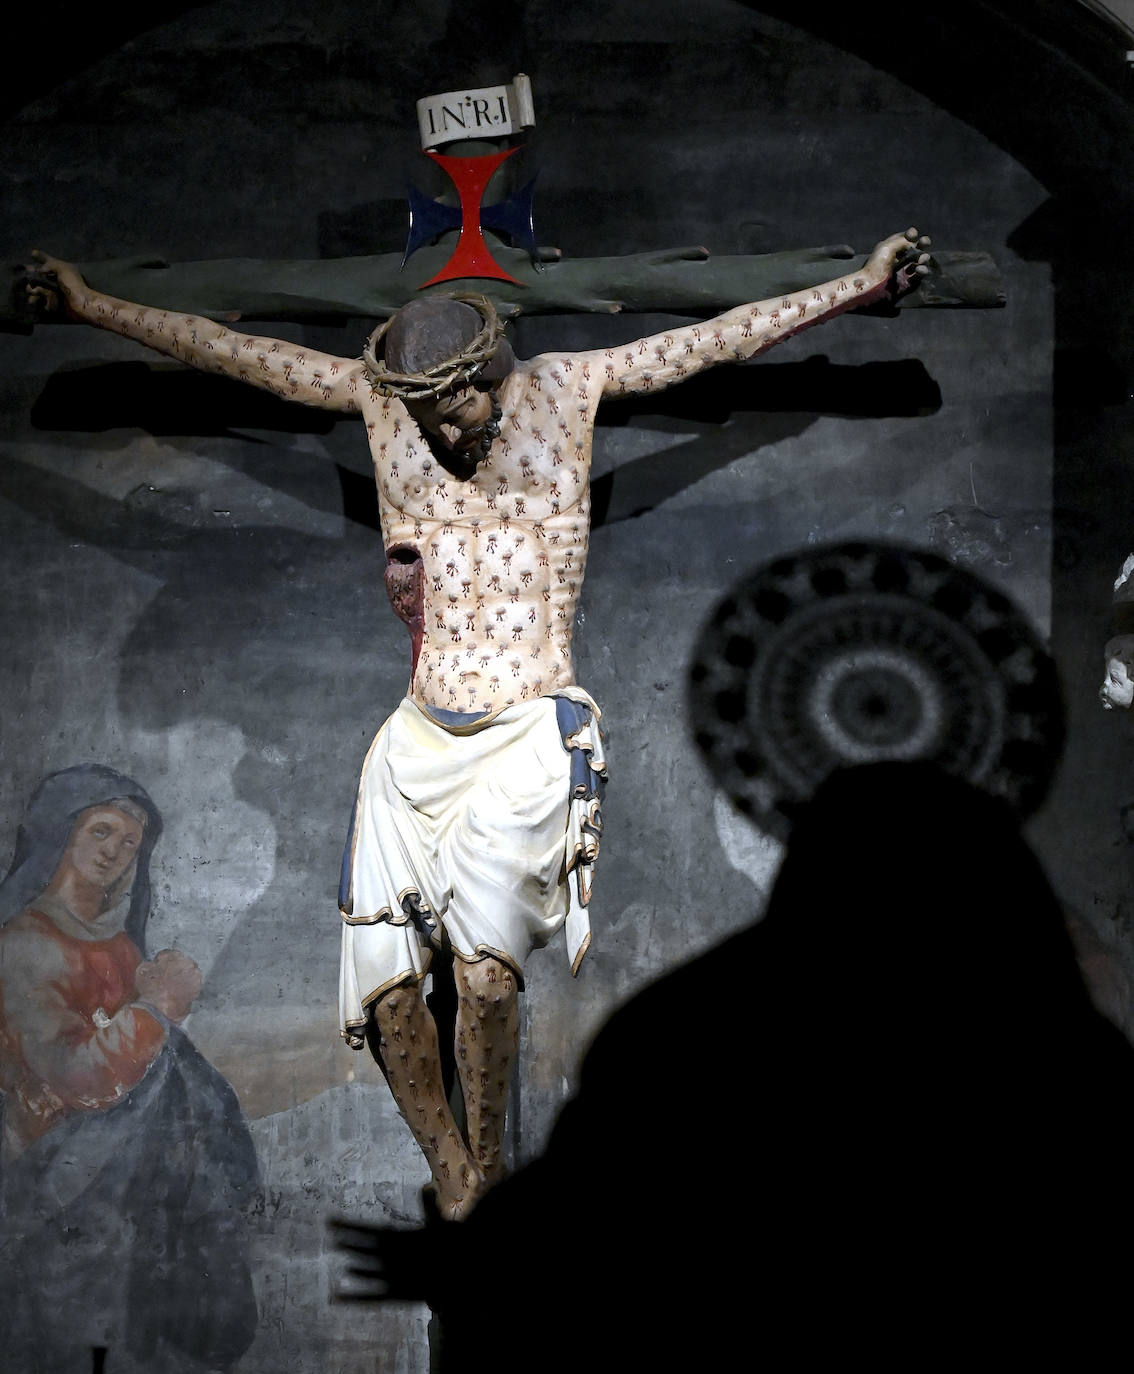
x,y
73,1036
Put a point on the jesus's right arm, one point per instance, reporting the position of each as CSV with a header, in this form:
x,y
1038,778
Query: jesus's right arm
x,y
286,369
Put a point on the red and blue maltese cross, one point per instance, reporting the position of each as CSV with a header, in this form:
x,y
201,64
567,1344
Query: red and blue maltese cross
x,y
471,256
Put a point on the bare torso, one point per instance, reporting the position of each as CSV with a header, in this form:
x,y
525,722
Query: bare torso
x,y
501,552
486,566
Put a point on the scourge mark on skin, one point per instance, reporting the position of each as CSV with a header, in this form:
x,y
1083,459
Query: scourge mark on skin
x,y
482,465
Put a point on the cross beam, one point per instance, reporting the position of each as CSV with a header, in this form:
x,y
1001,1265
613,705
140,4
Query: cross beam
x,y
681,281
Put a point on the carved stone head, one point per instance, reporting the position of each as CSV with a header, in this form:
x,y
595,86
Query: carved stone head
x,y
1118,685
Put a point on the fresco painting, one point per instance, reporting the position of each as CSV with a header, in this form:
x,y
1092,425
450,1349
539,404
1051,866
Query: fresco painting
x,y
128,1170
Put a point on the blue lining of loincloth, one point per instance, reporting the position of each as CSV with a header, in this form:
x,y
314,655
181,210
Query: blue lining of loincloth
x,y
444,717
571,716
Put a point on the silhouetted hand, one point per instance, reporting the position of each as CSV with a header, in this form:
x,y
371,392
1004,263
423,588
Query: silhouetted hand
x,y
391,1265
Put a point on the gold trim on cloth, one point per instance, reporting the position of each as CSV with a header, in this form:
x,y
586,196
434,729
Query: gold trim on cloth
x,y
353,1030
408,975
580,955
482,816
471,727
387,913
487,952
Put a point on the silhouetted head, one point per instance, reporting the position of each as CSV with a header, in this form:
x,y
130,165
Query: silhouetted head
x,y
920,889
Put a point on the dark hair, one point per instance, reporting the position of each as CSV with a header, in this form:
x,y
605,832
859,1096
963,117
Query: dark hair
x,y
433,344
429,331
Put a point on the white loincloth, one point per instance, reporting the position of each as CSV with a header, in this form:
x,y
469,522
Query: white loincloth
x,y
480,826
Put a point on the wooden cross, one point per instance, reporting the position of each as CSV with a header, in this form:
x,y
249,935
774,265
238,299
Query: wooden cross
x,y
680,281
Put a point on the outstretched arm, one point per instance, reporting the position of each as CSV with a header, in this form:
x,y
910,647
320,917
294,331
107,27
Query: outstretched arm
x,y
665,359
286,369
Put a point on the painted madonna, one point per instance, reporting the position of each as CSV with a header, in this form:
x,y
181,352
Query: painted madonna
x,y
127,1165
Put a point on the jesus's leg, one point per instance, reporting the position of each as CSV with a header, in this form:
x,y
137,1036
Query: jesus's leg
x,y
486,1039
403,1040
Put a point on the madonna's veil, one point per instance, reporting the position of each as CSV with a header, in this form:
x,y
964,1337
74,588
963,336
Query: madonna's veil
x,y
42,838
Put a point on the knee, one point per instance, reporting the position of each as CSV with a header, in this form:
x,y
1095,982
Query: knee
x,y
395,1010
488,983
392,1026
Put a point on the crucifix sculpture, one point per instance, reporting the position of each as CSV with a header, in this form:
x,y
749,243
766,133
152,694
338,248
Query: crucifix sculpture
x,y
478,815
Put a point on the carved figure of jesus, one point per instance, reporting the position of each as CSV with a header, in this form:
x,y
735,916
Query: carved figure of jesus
x,y
477,818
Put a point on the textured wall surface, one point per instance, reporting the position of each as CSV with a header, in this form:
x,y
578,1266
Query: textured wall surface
x,y
193,581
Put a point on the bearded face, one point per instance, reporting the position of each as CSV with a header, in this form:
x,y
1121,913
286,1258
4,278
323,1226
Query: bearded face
x,y
444,359
465,420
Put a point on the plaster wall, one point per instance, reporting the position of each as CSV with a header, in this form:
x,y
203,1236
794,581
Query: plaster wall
x,y
193,582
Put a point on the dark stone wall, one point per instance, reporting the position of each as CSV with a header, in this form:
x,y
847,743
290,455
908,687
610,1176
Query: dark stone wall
x,y
192,577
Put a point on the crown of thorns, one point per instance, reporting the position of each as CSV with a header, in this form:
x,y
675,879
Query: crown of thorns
x,y
444,376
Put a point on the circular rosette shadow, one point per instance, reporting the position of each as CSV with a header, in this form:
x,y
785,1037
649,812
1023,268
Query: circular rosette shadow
x,y
862,653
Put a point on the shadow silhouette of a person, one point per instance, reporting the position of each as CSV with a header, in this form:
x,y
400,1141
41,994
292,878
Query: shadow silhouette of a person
x,y
886,1119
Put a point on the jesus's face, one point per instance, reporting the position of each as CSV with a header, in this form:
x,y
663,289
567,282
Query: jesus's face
x,y
464,420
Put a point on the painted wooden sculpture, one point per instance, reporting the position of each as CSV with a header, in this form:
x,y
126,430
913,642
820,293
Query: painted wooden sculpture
x,y
1118,653
477,821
